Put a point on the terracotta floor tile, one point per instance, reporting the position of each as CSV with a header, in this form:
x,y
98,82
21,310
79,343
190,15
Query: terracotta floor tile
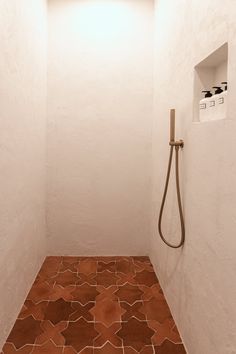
x,y
136,334
51,332
156,309
164,331
24,332
107,312
60,292
65,278
69,263
106,259
70,350
10,349
35,310
40,292
81,311
150,292
49,268
89,279
146,278
85,293
51,265
145,350
47,348
111,267
132,311
80,334
88,350
95,305
125,266
170,348
126,278
144,259
58,311
107,293
106,278
87,267
108,349
129,293
140,266
107,334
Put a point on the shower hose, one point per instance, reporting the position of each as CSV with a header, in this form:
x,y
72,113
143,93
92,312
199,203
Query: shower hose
x,y
178,197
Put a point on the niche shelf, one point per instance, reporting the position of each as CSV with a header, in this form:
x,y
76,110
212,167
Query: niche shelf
x,y
211,71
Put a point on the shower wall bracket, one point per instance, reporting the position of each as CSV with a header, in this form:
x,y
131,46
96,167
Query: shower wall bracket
x,y
178,143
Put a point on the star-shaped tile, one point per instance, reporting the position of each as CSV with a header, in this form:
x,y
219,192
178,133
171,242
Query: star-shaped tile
x,y
129,293
106,278
87,267
59,310
136,334
24,332
65,278
80,334
107,312
85,293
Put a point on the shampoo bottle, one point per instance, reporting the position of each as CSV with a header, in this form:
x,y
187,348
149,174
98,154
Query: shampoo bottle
x,y
214,106
204,106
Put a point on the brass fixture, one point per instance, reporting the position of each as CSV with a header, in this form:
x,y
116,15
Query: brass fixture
x,y
177,145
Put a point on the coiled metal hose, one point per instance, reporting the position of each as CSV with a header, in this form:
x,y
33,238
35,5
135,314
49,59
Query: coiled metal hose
x,y
176,145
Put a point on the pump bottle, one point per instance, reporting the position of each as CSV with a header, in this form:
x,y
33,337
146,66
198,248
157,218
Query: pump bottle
x,y
214,107
204,106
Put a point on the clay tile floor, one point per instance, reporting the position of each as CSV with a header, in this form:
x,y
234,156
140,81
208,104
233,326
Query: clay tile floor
x,y
95,305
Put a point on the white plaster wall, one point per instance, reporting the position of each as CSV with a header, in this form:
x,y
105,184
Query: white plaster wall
x,y
99,111
198,280
22,151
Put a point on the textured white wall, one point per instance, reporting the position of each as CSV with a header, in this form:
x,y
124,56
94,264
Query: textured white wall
x,y
99,109
22,151
199,280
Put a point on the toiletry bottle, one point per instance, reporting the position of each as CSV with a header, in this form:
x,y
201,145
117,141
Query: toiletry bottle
x,y
221,103
204,106
214,107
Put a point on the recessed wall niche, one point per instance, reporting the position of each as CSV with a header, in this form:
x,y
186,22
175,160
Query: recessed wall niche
x,y
211,71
